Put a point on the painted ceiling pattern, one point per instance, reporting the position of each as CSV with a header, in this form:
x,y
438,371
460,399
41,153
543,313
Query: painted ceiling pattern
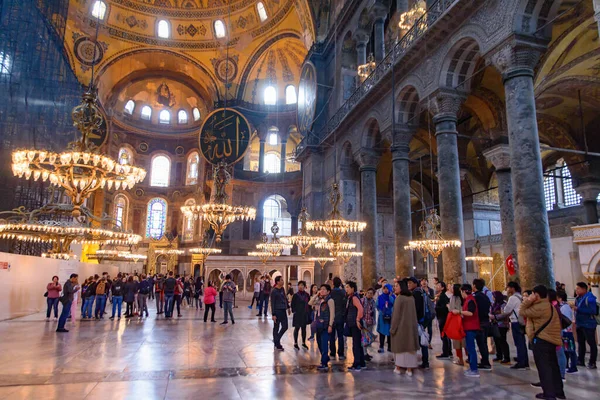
x,y
128,44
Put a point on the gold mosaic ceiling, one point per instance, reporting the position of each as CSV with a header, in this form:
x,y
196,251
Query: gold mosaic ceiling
x,y
128,48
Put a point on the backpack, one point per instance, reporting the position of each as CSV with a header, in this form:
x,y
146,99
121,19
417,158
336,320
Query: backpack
x,y
597,316
267,288
169,285
144,287
428,307
91,289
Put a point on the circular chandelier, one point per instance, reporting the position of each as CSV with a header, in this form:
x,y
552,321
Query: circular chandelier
x,y
117,255
264,256
218,213
479,256
322,260
345,256
303,240
431,243
59,256
79,170
170,252
336,227
275,247
204,250
336,248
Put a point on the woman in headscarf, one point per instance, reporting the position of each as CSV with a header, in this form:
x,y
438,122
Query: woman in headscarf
x,y
404,330
385,306
502,349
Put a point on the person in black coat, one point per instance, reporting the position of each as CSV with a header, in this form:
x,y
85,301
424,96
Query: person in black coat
x,y
301,311
441,312
131,289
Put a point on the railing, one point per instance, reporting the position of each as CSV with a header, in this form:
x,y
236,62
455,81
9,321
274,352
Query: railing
x,y
256,107
400,49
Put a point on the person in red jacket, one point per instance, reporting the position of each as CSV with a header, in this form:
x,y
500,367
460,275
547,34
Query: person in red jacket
x,y
471,327
209,300
53,289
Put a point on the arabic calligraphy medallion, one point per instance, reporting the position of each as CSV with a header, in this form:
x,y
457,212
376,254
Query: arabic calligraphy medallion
x,y
224,137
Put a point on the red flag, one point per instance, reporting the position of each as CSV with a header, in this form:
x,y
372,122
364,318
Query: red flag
x,y
510,265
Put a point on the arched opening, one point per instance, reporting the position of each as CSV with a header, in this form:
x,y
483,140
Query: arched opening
x,y
196,113
129,107
146,113
219,29
290,95
125,156
238,279
189,223
272,163
161,170
275,209
163,30
99,10
182,117
164,117
252,277
262,11
306,277
120,211
156,220
270,96
193,162
216,277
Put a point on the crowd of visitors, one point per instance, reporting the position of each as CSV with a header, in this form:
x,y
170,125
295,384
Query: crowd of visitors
x,y
401,314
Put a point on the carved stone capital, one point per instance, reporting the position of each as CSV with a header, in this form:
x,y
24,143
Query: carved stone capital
x,y
367,159
401,137
361,37
499,156
588,190
518,56
445,102
379,12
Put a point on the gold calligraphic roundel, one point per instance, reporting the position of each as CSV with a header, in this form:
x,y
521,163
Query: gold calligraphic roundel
x,y
225,136
307,97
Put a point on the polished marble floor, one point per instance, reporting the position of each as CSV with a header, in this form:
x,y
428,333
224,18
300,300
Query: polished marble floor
x,y
186,358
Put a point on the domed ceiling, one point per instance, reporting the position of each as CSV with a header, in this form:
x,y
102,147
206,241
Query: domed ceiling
x,y
254,50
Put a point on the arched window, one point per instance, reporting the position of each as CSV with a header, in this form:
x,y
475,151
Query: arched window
x,y
129,106
5,63
99,10
272,163
196,113
188,223
164,117
182,117
571,196
120,211
161,169
163,30
156,220
273,137
558,187
549,193
146,113
262,11
290,95
192,169
219,29
275,210
270,95
125,156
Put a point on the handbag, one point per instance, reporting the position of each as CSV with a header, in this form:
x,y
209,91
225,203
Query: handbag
x,y
46,294
367,337
453,329
494,331
423,336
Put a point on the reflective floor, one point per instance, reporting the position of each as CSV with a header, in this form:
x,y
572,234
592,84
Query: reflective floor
x,y
186,358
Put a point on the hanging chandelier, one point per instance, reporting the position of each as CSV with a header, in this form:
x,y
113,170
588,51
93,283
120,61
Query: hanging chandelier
x,y
204,250
479,256
303,240
218,213
80,170
275,246
59,256
170,252
117,255
322,260
263,256
364,70
336,227
432,243
409,18
346,256
336,248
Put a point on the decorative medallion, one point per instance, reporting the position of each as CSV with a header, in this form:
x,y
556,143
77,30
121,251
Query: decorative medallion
x,y
84,49
226,69
131,21
191,30
307,97
164,96
139,192
179,150
143,147
224,137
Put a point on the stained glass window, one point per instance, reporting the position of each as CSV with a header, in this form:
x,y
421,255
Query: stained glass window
x,y
129,107
161,169
192,169
156,220
120,212
163,29
290,95
99,10
125,156
188,223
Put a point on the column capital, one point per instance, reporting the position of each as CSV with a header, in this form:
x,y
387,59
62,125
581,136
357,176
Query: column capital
x,y
499,156
401,137
361,37
588,190
445,104
517,56
367,159
379,12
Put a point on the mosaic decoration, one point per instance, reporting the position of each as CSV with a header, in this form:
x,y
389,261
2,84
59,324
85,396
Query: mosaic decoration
x,y
163,3
205,9
143,147
84,50
288,75
131,21
191,30
225,69
271,67
164,96
156,218
179,150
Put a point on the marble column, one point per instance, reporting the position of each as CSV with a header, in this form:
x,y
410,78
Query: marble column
x,y
450,196
283,156
379,43
499,156
402,209
361,38
516,62
368,159
589,193
261,156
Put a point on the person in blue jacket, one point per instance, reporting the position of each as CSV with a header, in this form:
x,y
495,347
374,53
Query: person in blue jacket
x,y
585,320
385,306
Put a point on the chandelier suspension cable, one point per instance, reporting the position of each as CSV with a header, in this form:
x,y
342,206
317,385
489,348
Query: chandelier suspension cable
x,y
95,50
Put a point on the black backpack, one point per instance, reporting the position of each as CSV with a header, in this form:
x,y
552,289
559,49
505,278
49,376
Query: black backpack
x,y
169,285
91,290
